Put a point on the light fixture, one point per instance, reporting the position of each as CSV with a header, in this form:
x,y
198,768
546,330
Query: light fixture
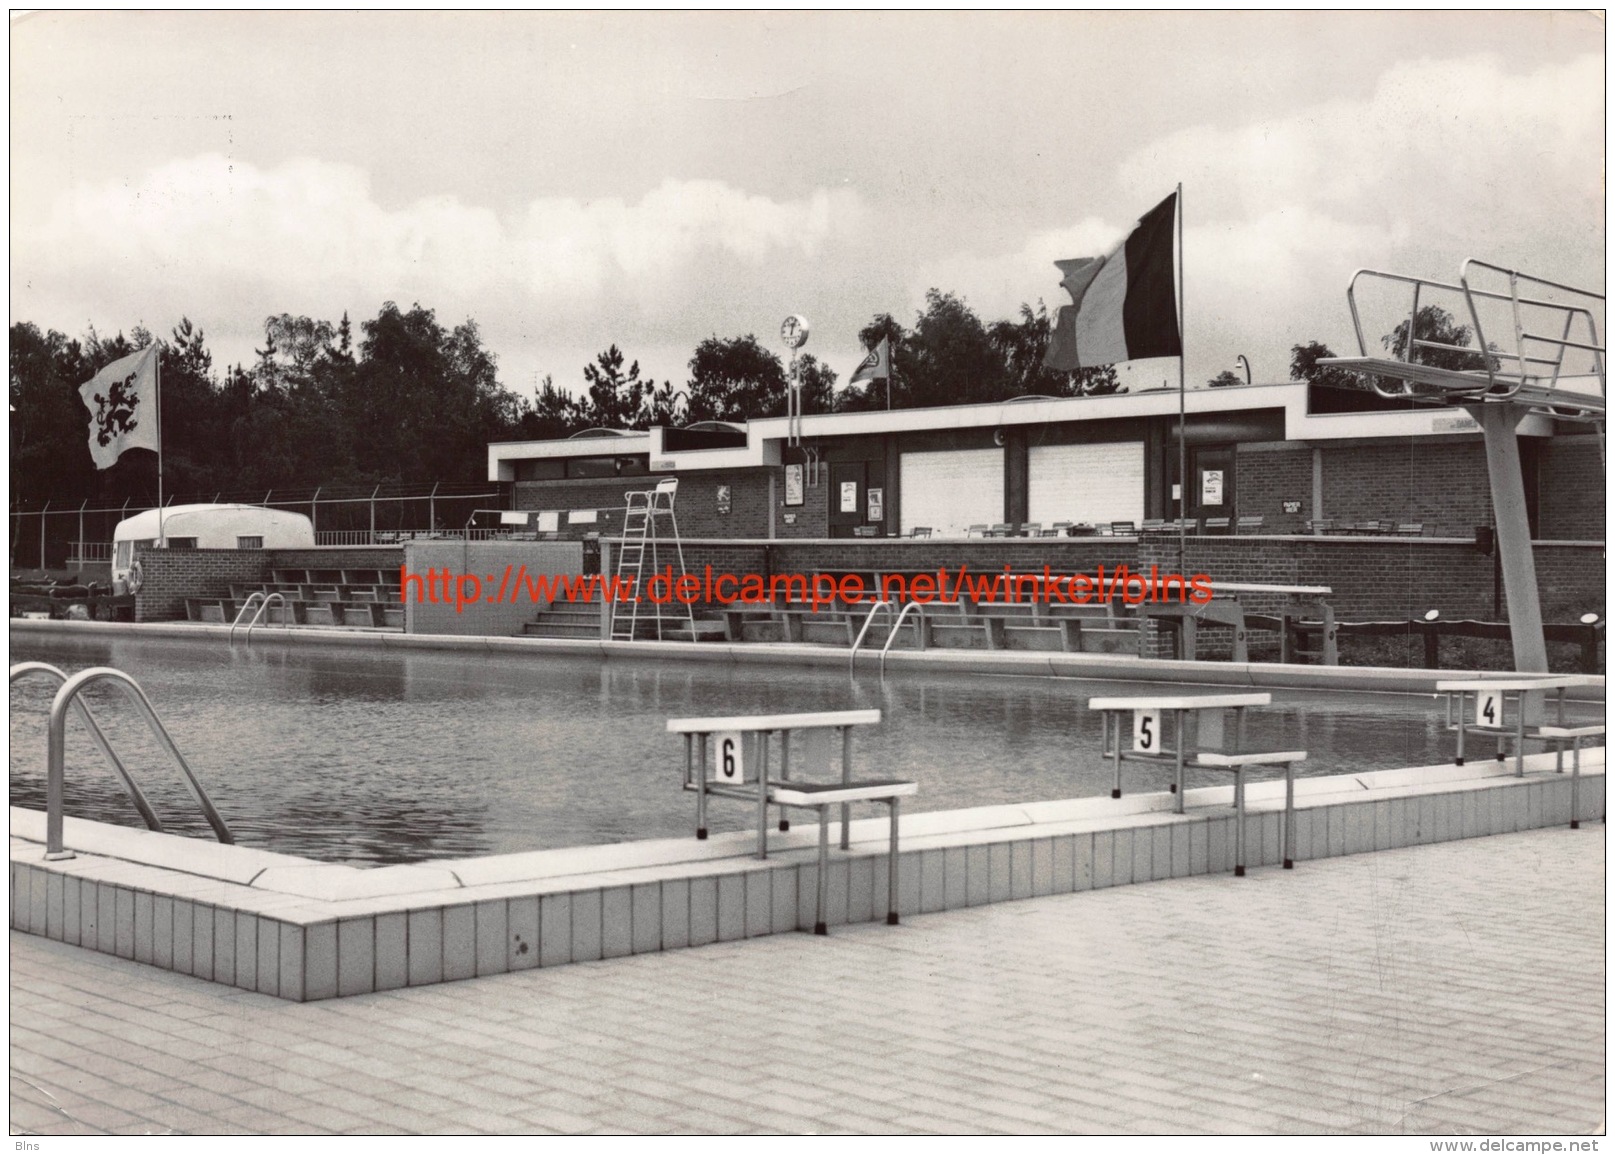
x,y
1588,619
1431,615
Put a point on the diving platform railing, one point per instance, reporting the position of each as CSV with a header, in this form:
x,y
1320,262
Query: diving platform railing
x,y
55,765
1530,374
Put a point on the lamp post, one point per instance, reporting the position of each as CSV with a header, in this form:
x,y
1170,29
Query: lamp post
x,y
1246,363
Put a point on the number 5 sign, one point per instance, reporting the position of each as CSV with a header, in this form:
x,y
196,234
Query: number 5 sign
x,y
729,758
1488,708
1146,731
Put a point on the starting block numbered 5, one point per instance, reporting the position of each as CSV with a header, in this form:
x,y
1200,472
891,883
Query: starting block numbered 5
x,y
1146,731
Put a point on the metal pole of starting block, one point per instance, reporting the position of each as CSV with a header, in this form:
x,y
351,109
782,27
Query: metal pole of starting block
x,y
701,792
891,866
846,777
1116,750
762,794
784,772
818,877
1239,812
1289,816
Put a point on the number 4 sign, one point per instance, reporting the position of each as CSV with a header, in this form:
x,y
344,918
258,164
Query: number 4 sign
x,y
1146,731
1488,708
729,758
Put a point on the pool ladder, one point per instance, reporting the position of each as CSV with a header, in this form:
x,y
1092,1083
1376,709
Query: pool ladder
x,y
262,602
891,636
55,764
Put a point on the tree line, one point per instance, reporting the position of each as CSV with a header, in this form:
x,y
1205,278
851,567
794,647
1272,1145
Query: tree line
x,y
407,399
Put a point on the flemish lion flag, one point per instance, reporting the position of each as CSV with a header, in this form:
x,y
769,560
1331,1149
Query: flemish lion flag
x,y
877,364
122,399
1123,306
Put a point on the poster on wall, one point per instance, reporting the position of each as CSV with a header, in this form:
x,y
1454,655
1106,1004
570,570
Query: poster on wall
x,y
793,484
1211,487
849,497
877,504
723,499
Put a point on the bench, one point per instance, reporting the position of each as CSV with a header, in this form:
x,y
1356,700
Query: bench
x,y
733,778
1226,608
1573,735
1212,760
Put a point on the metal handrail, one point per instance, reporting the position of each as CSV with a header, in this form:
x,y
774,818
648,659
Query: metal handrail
x,y
897,625
55,772
255,598
1511,383
24,669
869,620
263,601
269,600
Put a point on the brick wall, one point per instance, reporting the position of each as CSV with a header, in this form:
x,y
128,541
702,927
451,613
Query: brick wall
x,y
696,504
490,616
1268,474
172,575
1441,483
382,557
1571,480
169,576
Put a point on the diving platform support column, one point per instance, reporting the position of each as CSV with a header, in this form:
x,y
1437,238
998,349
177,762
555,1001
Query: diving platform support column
x,y
1498,423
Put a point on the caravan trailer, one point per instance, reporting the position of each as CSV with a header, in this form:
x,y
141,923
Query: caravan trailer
x,y
204,527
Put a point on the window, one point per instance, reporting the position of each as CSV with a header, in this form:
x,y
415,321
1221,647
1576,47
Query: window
x,y
250,542
182,543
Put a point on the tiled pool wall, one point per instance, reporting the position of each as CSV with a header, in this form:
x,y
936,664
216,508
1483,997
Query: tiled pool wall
x,y
273,943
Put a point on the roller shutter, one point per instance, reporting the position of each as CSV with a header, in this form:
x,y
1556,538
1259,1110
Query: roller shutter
x,y
952,490
1096,483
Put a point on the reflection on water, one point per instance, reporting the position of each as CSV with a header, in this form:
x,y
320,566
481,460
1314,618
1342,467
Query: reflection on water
x,y
372,756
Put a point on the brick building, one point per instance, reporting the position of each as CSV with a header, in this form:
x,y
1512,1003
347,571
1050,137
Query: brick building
x,y
1291,454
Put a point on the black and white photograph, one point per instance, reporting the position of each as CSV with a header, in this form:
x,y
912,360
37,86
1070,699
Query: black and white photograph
x,y
809,572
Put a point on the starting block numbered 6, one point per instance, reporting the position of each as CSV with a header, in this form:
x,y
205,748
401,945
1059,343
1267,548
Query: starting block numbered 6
x,y
728,758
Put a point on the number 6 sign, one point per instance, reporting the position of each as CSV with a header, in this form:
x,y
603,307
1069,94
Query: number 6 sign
x,y
728,756
1146,731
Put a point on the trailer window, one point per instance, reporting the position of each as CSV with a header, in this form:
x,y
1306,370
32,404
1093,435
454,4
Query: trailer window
x,y
250,542
126,550
182,543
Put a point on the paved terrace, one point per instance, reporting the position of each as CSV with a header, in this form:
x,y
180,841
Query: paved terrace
x,y
1455,987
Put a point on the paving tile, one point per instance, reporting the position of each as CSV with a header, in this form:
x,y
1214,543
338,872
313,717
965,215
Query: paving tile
x,y
1454,986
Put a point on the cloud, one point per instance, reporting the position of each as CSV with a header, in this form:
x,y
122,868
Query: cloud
x,y
311,231
1441,161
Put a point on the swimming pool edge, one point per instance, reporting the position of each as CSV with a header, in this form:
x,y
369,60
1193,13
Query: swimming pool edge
x,y
1102,667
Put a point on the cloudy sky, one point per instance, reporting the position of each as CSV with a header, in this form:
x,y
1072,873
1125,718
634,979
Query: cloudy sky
x,y
575,180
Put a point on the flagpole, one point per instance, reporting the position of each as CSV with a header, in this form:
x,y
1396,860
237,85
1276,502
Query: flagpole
x,y
1183,450
162,542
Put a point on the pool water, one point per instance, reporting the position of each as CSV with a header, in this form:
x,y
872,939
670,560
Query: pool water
x,y
369,756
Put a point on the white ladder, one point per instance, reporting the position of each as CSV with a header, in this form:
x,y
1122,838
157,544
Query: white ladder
x,y
639,538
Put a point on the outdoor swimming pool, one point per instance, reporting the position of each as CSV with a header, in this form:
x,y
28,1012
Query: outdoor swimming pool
x,y
369,756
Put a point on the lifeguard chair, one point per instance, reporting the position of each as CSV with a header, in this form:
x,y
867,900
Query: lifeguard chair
x,y
641,536
1499,387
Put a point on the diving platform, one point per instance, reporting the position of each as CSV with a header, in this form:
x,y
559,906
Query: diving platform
x,y
1451,360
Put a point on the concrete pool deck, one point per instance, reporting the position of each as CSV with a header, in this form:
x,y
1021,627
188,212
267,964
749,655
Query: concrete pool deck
x,y
1455,988
306,931
1109,667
